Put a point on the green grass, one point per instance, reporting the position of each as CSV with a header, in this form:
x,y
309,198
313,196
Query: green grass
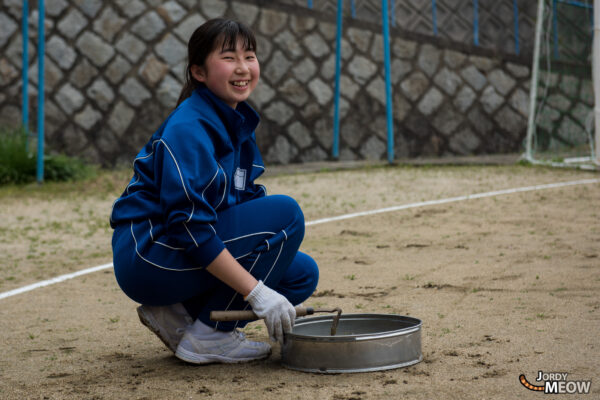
x,y
102,183
19,166
16,165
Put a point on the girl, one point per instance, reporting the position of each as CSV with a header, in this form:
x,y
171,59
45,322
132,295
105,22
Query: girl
x,y
193,232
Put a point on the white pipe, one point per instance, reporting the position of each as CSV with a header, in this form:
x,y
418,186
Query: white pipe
x,y
534,80
596,78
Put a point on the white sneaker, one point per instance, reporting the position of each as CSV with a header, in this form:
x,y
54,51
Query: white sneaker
x,y
167,322
230,347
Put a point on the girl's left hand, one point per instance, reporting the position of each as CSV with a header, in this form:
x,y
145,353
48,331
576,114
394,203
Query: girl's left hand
x,y
279,314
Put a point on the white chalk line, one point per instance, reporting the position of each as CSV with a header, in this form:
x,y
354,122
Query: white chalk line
x,y
455,199
52,281
65,277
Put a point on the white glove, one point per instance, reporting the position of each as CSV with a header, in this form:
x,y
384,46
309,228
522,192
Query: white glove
x,y
275,309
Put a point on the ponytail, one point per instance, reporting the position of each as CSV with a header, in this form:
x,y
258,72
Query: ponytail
x,y
189,85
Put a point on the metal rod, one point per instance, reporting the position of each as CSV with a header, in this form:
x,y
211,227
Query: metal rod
x,y
476,22
249,315
534,80
434,17
516,14
388,81
309,4
596,80
353,8
40,110
393,12
555,28
338,72
25,72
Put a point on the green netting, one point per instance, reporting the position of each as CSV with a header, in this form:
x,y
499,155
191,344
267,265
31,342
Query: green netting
x,y
563,113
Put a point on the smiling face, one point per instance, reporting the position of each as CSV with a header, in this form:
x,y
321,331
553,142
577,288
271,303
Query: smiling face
x,y
230,73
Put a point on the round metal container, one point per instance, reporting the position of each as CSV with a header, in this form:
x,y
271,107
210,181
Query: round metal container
x,y
364,342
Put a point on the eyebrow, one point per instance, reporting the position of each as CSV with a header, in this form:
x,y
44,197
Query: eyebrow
x,y
234,50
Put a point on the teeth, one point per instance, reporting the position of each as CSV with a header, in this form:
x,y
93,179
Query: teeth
x,y
240,83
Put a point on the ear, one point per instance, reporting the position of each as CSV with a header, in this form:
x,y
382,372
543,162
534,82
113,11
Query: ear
x,y
198,73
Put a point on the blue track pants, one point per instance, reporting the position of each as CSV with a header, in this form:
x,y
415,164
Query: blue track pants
x,y
263,235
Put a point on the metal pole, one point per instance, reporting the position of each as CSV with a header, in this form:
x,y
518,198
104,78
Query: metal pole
x,y
434,17
338,72
388,81
555,28
596,78
309,3
353,8
534,80
516,13
393,11
476,22
25,72
40,119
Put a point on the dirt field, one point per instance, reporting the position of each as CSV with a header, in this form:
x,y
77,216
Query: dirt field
x,y
504,285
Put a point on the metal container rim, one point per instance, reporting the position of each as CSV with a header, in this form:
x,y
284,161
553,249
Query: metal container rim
x,y
416,326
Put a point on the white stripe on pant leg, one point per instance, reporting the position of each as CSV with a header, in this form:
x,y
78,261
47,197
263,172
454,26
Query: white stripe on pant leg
x,y
157,265
245,255
275,262
248,235
235,293
265,278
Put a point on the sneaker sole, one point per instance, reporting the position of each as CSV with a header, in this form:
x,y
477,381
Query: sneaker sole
x,y
195,358
151,324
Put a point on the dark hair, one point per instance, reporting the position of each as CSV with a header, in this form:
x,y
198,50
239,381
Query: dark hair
x,y
206,38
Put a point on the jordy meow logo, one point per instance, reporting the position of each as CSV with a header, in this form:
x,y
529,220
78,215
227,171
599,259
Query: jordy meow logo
x,y
556,383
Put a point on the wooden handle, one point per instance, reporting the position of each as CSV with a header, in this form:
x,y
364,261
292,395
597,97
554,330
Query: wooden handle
x,y
248,315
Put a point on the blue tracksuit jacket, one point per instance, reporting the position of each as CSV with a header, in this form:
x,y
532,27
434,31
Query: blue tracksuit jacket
x,y
203,159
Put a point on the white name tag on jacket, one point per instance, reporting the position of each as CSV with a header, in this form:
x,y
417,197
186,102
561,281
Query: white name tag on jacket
x,y
239,179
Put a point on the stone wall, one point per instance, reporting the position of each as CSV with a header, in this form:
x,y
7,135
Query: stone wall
x,y
114,71
454,19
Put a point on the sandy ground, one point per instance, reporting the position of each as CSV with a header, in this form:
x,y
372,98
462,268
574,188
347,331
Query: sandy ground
x,y
506,285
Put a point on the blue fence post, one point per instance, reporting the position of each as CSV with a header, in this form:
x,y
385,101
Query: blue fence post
x,y
476,22
434,17
40,110
582,5
555,28
309,4
353,8
516,12
338,71
388,81
555,19
25,72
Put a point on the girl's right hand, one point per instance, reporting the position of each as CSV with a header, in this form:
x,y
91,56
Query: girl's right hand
x,y
279,314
